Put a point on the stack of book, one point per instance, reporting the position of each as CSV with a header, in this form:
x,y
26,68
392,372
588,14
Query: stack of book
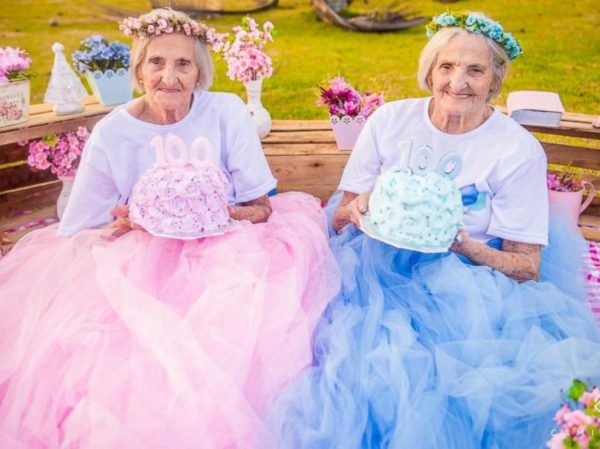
x,y
532,107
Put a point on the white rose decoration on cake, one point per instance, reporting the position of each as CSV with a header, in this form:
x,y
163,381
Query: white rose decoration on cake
x,y
181,196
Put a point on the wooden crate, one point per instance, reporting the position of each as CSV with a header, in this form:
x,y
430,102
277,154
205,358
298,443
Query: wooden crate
x,y
301,153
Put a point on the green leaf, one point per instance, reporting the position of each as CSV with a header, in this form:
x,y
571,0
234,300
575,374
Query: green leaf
x,y
592,411
594,433
570,443
577,389
50,139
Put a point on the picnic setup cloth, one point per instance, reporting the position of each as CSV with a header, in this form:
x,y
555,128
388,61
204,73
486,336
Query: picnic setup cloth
x,y
592,276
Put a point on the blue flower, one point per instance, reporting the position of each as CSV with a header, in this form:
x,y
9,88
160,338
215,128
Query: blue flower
x,y
96,53
476,24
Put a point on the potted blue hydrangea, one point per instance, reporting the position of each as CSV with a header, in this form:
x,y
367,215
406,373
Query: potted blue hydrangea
x,y
106,67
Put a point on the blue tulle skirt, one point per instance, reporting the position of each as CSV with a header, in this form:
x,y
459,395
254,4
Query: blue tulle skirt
x,y
432,352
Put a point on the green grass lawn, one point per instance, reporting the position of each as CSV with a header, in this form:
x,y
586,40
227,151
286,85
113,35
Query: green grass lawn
x,y
561,41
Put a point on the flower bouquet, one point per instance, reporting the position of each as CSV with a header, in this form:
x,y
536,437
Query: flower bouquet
x,y
578,419
565,195
106,68
59,153
15,72
248,63
348,110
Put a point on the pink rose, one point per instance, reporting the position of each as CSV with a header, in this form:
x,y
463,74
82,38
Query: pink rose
x,y
556,442
577,418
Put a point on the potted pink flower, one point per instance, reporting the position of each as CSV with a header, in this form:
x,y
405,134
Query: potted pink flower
x,y
59,153
578,419
348,110
565,196
15,72
248,63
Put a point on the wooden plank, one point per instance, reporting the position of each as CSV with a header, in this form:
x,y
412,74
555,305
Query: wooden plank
x,y
308,136
13,224
577,117
300,149
17,176
300,125
28,198
323,191
591,234
46,108
572,155
307,170
37,128
573,125
12,152
589,220
570,129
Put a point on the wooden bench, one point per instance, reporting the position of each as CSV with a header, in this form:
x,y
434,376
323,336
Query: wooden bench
x,y
302,155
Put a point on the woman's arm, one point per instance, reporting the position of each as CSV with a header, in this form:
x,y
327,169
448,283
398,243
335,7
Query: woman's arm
x,y
255,211
94,191
351,208
520,261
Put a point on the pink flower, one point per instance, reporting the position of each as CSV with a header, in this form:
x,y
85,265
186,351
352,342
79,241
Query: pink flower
x,y
556,442
563,183
577,418
82,132
59,153
150,29
559,417
339,84
13,61
243,52
342,99
589,396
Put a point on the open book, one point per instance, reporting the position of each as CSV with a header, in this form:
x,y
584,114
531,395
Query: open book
x,y
532,107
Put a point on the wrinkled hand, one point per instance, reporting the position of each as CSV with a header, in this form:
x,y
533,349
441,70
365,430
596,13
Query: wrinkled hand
x,y
357,208
461,241
122,225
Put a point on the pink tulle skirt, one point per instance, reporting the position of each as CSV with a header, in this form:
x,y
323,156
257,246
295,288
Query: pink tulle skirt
x,y
146,342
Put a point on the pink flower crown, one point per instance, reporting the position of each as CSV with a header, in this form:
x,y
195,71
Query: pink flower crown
x,y
160,22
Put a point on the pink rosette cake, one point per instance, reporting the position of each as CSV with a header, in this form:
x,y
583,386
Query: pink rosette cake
x,y
181,197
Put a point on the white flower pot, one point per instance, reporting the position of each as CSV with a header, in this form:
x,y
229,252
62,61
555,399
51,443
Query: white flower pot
x,y
14,102
63,196
346,130
111,87
260,116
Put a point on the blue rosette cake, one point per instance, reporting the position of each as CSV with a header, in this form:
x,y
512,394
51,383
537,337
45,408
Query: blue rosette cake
x,y
421,212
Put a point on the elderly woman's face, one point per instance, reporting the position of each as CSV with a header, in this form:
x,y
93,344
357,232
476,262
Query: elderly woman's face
x,y
169,72
462,76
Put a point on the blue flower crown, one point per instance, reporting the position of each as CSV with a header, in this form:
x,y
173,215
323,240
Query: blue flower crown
x,y
475,23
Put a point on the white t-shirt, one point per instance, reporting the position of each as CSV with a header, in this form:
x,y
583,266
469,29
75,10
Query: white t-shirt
x,y
118,152
503,167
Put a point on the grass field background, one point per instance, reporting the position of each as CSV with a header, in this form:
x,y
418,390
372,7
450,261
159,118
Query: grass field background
x,y
561,41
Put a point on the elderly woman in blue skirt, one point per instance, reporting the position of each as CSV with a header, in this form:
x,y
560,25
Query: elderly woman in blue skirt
x,y
466,349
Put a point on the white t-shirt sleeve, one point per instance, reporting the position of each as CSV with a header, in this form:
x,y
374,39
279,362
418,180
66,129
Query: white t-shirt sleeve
x,y
520,204
250,174
364,165
94,191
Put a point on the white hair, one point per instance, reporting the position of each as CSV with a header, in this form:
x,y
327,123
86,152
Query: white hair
x,y
441,39
202,56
